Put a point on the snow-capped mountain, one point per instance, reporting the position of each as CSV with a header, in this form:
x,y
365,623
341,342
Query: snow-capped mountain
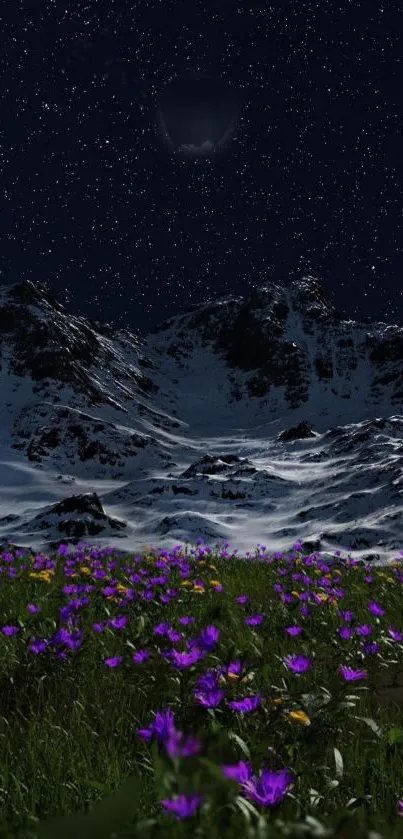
x,y
257,420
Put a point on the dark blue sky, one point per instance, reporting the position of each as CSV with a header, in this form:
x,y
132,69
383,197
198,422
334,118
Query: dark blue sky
x,y
94,206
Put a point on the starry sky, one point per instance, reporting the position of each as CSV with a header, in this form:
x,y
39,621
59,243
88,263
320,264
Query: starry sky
x,y
121,229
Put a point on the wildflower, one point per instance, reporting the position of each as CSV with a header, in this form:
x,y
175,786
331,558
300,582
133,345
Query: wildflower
x,y
114,661
395,634
254,620
33,608
297,663
375,609
294,630
209,698
162,726
300,717
140,656
38,646
345,632
120,622
245,705
268,790
182,806
10,630
183,659
353,675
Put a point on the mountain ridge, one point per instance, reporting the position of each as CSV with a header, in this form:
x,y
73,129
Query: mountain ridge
x,y
275,380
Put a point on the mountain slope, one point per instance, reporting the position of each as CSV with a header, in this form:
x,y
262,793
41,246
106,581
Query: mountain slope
x,y
258,420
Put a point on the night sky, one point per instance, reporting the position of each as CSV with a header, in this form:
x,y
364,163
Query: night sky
x,y
120,229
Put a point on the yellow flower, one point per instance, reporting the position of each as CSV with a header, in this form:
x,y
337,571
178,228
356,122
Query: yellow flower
x,y
212,568
323,597
198,589
121,588
300,717
276,701
186,583
295,593
234,676
84,570
386,577
215,583
45,575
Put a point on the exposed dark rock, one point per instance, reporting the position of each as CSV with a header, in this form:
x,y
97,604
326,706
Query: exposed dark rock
x,y
301,431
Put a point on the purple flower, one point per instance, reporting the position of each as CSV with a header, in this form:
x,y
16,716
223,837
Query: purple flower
x,y
176,746
163,726
161,629
119,622
140,656
395,634
347,616
267,791
183,659
208,637
209,698
370,647
38,646
209,681
365,629
114,661
375,609
241,771
297,663
254,620
183,806
351,675
294,630
10,630
270,789
33,608
245,705
345,632
109,591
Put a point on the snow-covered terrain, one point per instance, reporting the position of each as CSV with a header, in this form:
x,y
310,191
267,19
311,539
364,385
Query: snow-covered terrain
x,y
263,420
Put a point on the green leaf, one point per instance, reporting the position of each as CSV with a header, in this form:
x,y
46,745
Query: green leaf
x,y
140,625
339,763
394,735
241,743
246,808
372,724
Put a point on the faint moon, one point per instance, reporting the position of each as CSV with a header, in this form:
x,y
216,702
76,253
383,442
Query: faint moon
x,y
197,115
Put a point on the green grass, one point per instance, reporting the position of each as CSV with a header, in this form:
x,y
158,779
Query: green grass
x,y
69,717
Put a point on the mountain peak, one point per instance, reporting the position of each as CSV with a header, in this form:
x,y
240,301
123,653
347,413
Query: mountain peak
x,y
257,417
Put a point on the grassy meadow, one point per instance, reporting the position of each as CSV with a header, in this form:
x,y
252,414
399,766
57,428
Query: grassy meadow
x,y
197,693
